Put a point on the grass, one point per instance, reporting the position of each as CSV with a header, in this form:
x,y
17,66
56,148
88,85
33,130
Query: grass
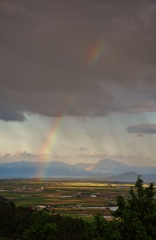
x,y
54,190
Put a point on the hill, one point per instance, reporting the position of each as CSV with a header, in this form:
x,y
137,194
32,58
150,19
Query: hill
x,y
104,168
128,177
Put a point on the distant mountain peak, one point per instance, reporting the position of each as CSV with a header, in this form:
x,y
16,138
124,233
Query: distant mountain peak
x,y
104,167
89,168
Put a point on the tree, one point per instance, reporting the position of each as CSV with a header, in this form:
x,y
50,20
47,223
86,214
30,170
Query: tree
x,y
69,228
102,229
42,228
7,213
137,213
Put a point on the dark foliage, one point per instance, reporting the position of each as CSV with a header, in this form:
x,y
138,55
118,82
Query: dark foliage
x,y
137,214
135,219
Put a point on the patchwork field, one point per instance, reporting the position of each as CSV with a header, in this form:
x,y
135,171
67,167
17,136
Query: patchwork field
x,y
74,198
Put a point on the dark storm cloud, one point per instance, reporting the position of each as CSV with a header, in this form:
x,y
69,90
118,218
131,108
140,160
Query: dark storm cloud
x,y
142,129
11,115
43,49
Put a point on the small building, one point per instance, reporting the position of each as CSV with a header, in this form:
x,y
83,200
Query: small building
x,y
93,195
84,194
42,207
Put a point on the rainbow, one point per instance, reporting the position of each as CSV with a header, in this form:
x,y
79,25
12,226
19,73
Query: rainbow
x,y
52,138
95,53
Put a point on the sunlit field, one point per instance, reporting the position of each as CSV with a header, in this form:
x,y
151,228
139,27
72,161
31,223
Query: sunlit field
x,y
72,198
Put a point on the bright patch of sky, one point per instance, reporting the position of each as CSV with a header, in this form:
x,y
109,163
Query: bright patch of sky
x,y
81,139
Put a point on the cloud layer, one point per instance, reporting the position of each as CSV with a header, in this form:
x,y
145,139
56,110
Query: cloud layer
x,y
44,45
142,129
27,156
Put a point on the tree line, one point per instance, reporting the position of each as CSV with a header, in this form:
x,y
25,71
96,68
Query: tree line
x,y
135,219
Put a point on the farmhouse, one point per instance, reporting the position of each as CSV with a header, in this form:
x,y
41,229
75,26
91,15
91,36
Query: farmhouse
x,y
84,194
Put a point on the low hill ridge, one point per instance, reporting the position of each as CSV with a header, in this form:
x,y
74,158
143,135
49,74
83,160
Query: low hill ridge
x,y
103,168
127,177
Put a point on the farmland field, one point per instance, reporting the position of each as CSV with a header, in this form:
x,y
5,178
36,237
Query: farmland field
x,y
74,198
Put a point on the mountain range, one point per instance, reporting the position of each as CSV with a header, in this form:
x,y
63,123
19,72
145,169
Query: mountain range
x,y
106,170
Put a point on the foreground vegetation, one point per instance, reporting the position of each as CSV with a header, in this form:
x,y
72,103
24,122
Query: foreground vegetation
x,y
134,219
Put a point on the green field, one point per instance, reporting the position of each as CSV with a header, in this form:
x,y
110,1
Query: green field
x,y
64,197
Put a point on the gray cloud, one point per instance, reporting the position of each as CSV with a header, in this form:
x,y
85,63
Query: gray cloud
x,y
105,155
11,115
83,149
9,7
142,129
24,154
43,57
18,156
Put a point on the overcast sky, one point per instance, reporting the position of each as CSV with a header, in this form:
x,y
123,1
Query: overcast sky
x,y
78,80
